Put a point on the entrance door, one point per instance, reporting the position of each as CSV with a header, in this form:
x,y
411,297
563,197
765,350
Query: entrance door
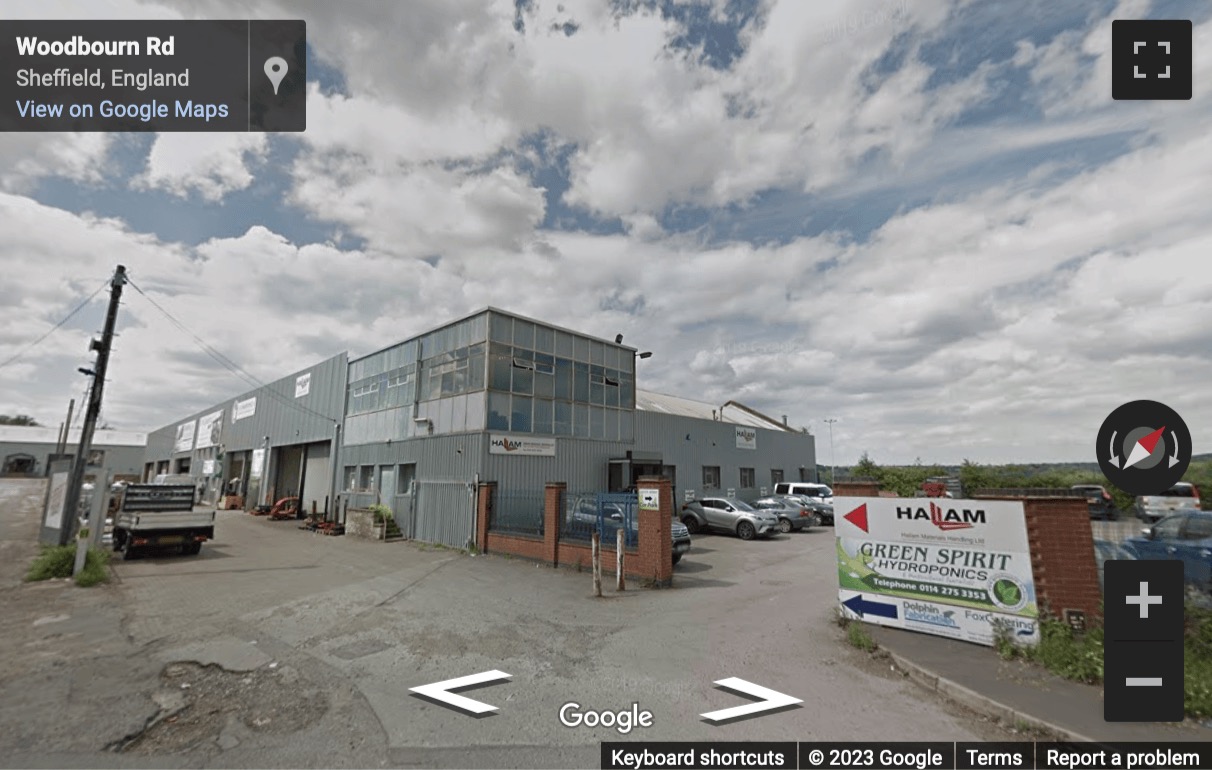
x,y
387,486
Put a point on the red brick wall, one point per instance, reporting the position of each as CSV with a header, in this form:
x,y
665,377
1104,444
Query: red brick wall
x,y
652,560
856,489
1062,556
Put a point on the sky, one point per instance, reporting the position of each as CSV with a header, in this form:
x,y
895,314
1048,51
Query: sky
x,y
925,220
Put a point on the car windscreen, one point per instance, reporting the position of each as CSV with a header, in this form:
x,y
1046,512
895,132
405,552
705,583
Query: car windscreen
x,y
741,505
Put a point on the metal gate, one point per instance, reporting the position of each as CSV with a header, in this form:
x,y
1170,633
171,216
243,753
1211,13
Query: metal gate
x,y
440,512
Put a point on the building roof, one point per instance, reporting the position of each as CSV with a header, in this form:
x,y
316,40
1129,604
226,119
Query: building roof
x,y
23,434
731,412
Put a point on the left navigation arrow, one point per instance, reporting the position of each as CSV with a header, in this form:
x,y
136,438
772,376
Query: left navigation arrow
x,y
443,692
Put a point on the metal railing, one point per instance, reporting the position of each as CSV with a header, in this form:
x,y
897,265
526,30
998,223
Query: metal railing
x,y
603,512
518,512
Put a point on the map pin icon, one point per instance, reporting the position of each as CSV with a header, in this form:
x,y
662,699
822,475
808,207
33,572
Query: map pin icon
x,y
275,70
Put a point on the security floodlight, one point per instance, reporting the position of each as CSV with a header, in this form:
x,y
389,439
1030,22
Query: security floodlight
x,y
618,339
420,420
645,354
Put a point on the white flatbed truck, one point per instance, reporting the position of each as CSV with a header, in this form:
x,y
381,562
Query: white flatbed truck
x,y
160,516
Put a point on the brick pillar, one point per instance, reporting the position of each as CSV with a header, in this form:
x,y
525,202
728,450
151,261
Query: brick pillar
x,y
655,553
553,514
484,500
1062,556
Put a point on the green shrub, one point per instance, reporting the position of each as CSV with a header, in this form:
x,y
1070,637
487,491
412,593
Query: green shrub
x,y
96,568
54,561
58,561
858,637
381,513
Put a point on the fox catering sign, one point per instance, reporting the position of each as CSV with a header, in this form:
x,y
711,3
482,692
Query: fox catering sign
x,y
955,568
521,445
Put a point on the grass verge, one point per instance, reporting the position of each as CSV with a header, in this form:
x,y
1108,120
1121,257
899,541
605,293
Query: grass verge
x,y
1079,656
58,561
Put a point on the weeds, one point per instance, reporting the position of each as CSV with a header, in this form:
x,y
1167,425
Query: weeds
x,y
58,561
859,638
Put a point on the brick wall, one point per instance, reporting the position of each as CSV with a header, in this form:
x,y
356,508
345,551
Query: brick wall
x,y
856,489
1062,554
652,560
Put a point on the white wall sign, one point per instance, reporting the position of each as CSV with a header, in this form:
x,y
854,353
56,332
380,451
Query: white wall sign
x,y
762,492
58,498
956,568
521,445
731,493
258,462
302,385
210,429
650,499
208,467
746,438
185,436
689,495
242,409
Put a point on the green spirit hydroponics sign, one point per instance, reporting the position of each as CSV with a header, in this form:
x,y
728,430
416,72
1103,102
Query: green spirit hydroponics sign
x,y
955,568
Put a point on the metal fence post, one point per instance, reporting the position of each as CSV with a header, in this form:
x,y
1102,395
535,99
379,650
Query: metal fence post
x,y
618,559
596,551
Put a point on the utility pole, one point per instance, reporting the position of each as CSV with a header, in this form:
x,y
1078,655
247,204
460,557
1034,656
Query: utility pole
x,y
832,457
66,430
102,347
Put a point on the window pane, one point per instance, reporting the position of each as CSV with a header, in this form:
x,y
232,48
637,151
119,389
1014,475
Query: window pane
x,y
582,349
580,420
366,478
612,392
563,379
565,345
523,380
544,385
498,411
475,373
500,349
597,422
563,419
581,383
627,393
544,339
448,384
519,420
542,416
502,372
776,475
597,353
523,334
502,328
597,392
478,328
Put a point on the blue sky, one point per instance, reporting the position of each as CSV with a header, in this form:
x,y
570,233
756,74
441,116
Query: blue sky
x,y
927,220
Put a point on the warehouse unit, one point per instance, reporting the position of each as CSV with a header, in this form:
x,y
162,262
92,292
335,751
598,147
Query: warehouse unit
x,y
27,450
277,441
493,397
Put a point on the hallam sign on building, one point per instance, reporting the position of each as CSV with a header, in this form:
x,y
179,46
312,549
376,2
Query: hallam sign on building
x,y
956,568
746,438
521,445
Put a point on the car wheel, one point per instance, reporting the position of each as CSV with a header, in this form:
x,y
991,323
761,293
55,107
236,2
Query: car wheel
x,y
784,525
745,531
677,557
816,520
692,525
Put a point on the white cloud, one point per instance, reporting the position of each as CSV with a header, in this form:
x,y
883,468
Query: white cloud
x,y
209,164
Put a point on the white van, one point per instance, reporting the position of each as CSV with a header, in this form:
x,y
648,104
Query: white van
x,y
1153,508
815,491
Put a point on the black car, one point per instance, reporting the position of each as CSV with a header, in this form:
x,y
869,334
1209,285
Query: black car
x,y
1098,500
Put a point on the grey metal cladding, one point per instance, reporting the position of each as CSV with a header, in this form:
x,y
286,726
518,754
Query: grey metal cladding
x,y
279,415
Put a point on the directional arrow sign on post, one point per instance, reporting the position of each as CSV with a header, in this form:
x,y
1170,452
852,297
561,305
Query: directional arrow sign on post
x,y
771,700
860,606
441,691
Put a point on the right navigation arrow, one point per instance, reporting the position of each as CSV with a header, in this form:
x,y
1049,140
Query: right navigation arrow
x,y
771,700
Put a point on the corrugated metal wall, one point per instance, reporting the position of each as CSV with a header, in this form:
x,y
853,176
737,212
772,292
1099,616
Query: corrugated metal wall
x,y
285,419
689,444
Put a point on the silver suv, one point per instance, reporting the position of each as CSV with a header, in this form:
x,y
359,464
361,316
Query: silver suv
x,y
726,514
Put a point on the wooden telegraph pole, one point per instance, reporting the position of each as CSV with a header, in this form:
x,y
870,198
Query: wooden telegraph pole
x,y
102,348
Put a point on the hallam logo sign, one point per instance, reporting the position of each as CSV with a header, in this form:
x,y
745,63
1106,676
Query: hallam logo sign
x,y
746,438
519,445
946,519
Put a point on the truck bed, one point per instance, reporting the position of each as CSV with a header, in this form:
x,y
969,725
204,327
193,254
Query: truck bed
x,y
146,521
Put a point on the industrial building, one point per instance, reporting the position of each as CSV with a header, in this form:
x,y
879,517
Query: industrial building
x,y
28,450
490,397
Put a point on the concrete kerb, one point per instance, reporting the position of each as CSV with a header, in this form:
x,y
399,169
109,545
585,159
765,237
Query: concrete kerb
x,y
971,699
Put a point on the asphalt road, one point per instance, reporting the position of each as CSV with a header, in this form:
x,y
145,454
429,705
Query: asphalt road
x,y
362,622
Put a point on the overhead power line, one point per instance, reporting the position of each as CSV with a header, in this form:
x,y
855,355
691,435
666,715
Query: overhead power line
x,y
56,327
224,361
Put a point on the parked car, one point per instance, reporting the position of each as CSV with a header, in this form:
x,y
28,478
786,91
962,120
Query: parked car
x,y
1104,551
1098,499
585,513
1184,535
823,510
820,492
1152,508
726,514
793,515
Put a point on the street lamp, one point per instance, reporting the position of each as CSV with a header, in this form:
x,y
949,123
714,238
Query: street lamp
x,y
832,457
645,354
